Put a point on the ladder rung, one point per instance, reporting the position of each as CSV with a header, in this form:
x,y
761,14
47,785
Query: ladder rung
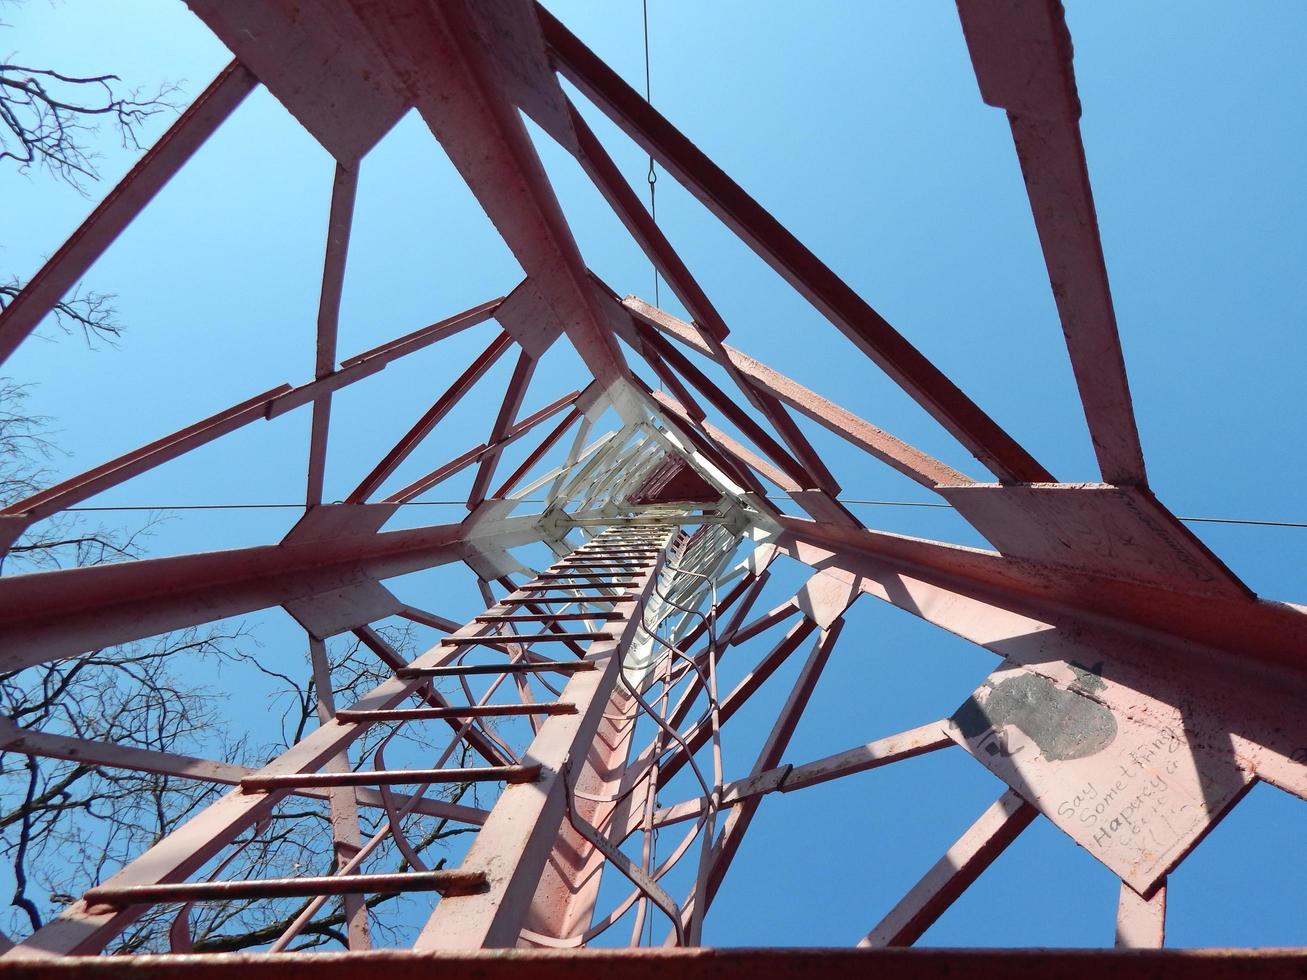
x,y
517,667
600,564
641,561
447,882
545,600
591,549
625,552
556,575
576,587
389,777
473,711
450,641
547,617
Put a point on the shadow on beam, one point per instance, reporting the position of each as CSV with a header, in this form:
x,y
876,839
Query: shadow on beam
x,y
689,964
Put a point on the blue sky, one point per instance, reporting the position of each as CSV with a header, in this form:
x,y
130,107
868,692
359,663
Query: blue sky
x,y
859,125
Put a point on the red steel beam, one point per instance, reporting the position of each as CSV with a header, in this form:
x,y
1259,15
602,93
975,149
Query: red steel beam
x,y
114,756
608,179
974,851
49,615
907,459
523,371
343,192
423,426
268,405
122,204
704,963
815,281
460,463
1021,53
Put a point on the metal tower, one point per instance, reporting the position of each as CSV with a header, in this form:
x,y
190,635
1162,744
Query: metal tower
x,y
1142,688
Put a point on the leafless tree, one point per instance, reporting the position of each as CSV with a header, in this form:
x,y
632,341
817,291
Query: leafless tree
x,y
65,826
90,312
51,122
48,119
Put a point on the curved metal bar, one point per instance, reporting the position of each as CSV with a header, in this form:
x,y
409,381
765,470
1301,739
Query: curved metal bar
x,y
179,932
393,818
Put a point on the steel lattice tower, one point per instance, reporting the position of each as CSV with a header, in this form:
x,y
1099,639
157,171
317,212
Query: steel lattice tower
x,y
1131,657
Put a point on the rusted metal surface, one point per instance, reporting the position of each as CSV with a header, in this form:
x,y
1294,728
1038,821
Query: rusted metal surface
x,y
699,964
1103,762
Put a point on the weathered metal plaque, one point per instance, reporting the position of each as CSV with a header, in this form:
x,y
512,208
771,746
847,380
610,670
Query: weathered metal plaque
x,y
1116,770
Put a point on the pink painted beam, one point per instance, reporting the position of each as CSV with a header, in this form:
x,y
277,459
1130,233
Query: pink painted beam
x,y
698,736
1140,921
534,457
610,182
964,862
121,206
343,192
342,804
270,404
523,371
1248,629
84,928
769,756
50,615
111,755
724,404
423,426
787,778
741,452
742,476
1021,53
704,963
564,900
436,56
460,463
908,460
519,836
791,259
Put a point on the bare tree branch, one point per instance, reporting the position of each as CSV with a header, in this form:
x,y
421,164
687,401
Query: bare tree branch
x,y
46,118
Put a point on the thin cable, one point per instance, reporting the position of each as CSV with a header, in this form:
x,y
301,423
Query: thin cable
x,y
407,503
533,500
653,174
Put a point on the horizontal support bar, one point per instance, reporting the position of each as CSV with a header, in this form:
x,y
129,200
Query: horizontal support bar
x,y
389,777
471,711
448,882
548,617
518,667
521,638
